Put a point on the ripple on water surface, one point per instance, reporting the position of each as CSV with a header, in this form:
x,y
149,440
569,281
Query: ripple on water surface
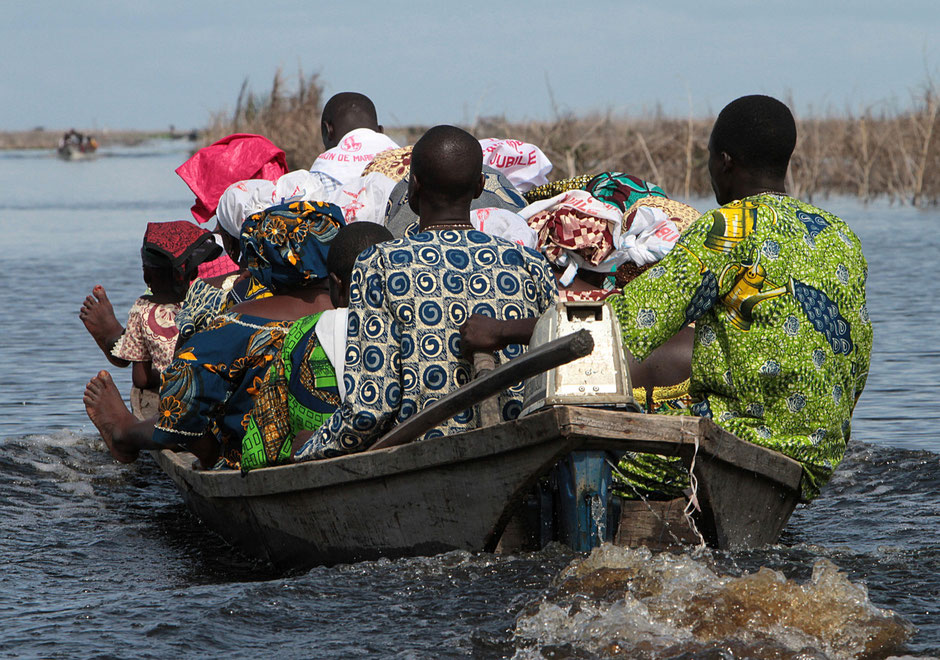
x,y
101,558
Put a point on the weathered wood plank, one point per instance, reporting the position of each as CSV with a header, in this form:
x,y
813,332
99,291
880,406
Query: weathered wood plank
x,y
657,525
673,435
744,509
422,507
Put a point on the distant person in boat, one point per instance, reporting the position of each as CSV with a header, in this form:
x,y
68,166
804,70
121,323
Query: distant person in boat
x,y
209,389
304,386
408,298
71,137
776,289
171,254
352,136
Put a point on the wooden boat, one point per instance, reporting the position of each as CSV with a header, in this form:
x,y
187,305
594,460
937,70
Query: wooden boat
x,y
460,491
77,152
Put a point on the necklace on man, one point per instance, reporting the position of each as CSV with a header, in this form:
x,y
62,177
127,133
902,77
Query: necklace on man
x,y
455,226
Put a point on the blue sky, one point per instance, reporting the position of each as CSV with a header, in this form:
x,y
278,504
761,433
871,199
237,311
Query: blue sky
x,y
125,64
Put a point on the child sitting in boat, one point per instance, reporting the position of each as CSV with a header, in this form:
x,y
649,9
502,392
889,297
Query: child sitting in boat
x,y
171,255
305,386
209,389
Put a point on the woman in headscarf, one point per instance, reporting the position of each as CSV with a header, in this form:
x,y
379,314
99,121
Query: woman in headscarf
x,y
209,389
207,296
210,296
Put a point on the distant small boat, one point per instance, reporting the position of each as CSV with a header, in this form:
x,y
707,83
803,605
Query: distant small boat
x,y
75,152
80,148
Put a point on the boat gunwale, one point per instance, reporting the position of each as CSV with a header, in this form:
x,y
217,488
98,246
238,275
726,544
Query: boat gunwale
x,y
675,435
351,468
582,427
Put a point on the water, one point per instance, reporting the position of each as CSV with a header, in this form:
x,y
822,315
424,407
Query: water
x,y
103,559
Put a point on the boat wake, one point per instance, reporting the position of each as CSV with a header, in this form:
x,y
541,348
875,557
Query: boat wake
x,y
631,603
68,461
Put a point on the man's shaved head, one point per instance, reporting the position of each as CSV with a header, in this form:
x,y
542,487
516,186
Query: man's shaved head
x,y
349,242
758,132
448,163
345,112
348,106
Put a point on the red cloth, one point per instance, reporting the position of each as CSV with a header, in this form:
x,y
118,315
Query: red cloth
x,y
179,244
174,239
221,266
234,158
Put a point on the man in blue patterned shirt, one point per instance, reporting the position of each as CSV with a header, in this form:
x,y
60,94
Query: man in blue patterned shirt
x,y
409,297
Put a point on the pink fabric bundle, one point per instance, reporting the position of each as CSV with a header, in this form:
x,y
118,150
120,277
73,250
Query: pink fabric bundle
x,y
234,158
574,222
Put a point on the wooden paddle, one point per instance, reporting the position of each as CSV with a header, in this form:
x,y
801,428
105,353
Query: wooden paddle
x,y
535,361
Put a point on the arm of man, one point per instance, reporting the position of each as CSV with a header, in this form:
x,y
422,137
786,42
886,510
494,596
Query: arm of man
x,y
482,333
677,291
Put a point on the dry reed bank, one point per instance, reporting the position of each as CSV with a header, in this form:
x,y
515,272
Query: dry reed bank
x,y
893,154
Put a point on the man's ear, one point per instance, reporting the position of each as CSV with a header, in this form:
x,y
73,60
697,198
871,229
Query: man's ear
x,y
414,193
727,162
480,186
326,131
339,294
381,129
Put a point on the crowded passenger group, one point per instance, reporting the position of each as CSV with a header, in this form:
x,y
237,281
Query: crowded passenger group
x,y
326,306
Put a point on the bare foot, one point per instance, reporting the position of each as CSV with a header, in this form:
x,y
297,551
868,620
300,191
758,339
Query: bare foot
x,y
98,316
107,412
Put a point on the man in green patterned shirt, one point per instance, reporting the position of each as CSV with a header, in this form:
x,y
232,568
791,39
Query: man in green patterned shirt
x,y
776,289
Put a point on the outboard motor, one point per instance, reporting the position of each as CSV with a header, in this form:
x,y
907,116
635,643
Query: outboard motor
x,y
585,517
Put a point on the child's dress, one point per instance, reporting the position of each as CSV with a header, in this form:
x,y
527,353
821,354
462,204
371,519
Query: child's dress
x,y
150,334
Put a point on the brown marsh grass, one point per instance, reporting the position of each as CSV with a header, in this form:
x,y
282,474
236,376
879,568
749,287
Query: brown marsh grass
x,y
290,118
885,153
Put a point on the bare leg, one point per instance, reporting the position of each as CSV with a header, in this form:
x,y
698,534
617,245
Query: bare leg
x,y
98,316
124,435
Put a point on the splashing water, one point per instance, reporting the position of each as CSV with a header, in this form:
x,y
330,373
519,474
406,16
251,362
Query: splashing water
x,y
599,516
620,602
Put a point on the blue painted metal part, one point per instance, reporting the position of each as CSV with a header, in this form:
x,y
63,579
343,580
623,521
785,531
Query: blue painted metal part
x,y
584,480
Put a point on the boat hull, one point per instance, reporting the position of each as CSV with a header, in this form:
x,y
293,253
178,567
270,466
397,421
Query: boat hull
x,y
459,492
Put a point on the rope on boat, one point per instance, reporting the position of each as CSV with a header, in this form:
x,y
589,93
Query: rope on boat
x,y
693,498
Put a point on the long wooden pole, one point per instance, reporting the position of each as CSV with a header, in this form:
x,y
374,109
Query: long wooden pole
x,y
535,361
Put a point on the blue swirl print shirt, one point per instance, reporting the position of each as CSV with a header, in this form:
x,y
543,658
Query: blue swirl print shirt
x,y
407,301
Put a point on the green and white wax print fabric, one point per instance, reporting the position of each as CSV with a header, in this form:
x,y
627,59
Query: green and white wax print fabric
x,y
776,288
